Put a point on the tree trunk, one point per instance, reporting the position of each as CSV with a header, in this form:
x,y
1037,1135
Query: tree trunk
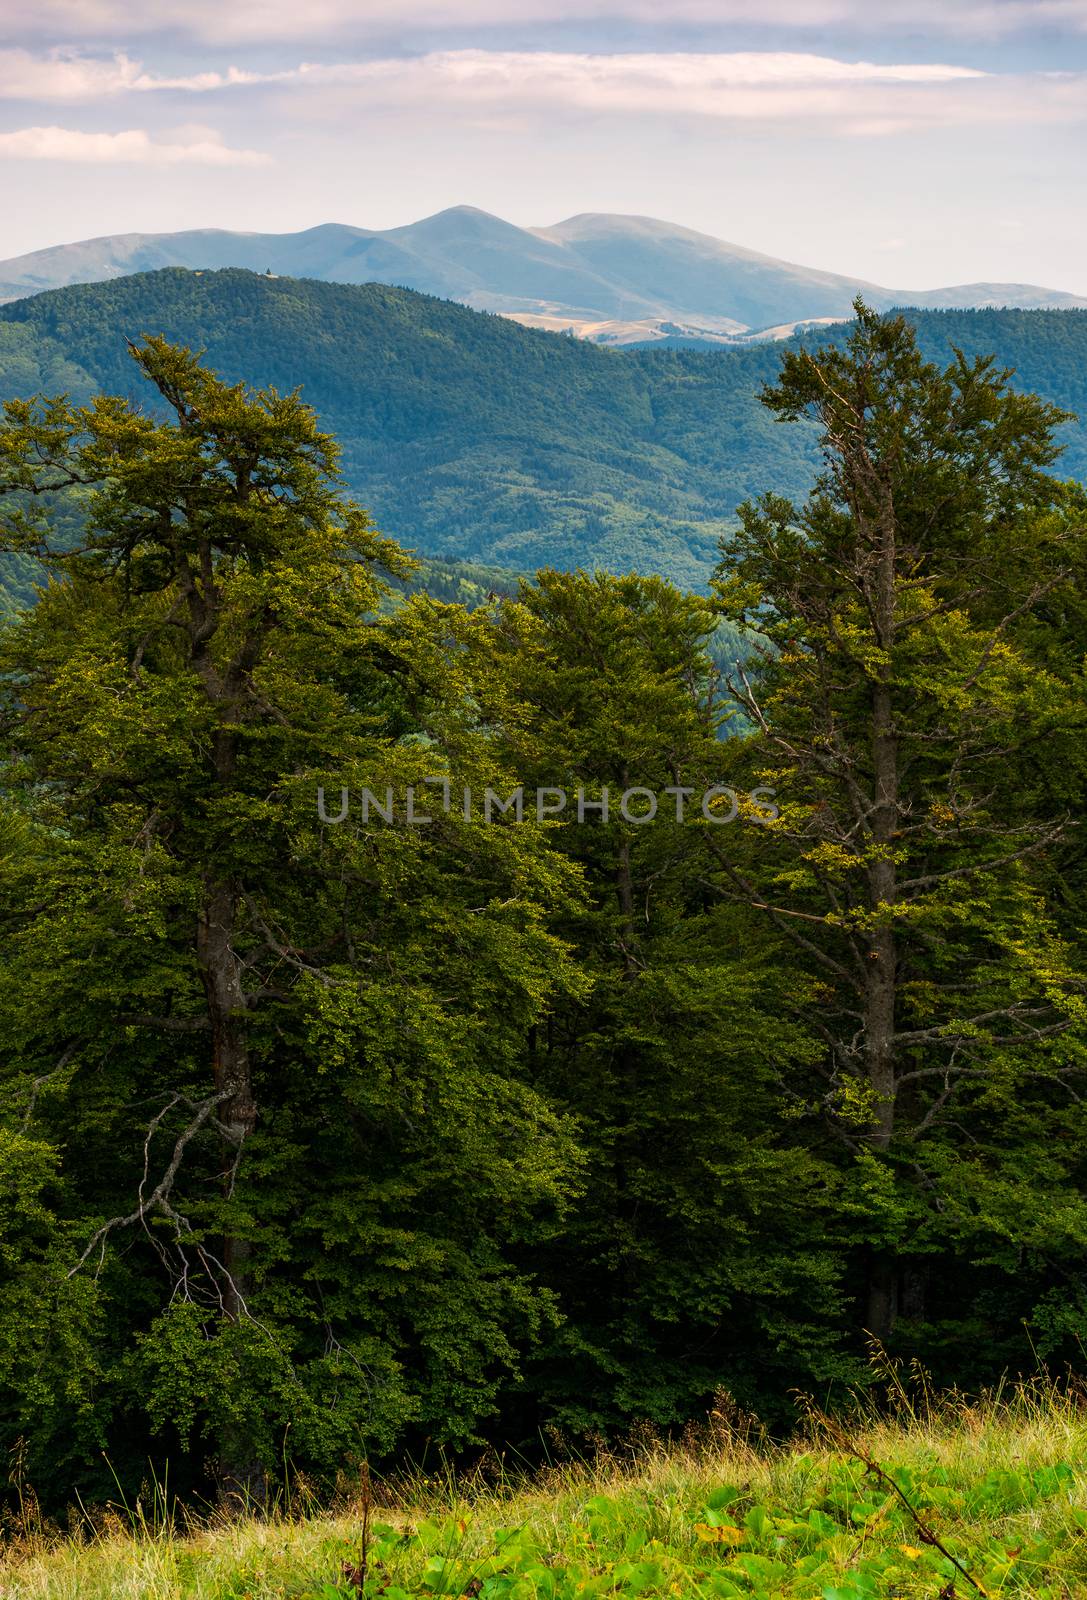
x,y
219,970
913,1292
882,1309
624,884
881,974
242,1478
882,957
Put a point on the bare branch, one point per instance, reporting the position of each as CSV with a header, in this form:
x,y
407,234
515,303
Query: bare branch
x,y
159,1199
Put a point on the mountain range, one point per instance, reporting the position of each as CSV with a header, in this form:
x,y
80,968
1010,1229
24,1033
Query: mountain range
x,y
471,438
610,279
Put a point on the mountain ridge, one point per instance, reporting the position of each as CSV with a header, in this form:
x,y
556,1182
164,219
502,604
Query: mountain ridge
x,y
611,278
470,437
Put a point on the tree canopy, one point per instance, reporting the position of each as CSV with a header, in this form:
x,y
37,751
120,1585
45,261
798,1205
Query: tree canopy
x,y
337,1118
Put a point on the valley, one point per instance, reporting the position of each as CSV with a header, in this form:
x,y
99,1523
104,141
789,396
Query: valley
x,y
471,438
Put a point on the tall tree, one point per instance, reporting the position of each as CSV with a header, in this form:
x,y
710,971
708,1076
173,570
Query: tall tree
x,y
894,702
290,1052
704,1249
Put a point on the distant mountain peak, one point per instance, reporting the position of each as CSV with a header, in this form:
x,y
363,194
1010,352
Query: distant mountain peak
x,y
609,277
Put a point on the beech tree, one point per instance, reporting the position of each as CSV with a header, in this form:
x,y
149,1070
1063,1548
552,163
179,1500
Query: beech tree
x,y
330,1135
894,704
262,1031
706,1246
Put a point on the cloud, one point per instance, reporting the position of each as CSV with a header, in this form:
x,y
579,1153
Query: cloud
x,y
736,84
543,71
269,20
189,147
69,75
855,97
62,75
864,98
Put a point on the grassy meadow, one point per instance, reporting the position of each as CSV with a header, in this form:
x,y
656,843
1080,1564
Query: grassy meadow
x,y
947,1499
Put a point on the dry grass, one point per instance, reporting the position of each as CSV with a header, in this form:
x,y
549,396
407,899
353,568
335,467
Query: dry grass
x,y
582,1518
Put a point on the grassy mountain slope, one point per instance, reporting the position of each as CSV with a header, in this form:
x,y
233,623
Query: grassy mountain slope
x,y
991,1503
472,438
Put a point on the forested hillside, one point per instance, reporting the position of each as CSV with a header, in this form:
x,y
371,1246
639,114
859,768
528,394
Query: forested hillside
x,y
420,1031
471,438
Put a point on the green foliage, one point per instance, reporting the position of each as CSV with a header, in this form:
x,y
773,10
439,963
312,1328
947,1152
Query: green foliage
x,y
910,870
679,1060
843,1537
988,1496
328,1140
469,437
344,1278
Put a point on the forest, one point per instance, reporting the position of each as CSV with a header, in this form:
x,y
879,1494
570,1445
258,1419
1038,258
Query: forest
x,y
471,438
330,1142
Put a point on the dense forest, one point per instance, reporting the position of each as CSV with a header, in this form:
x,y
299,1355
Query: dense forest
x,y
327,1134
471,438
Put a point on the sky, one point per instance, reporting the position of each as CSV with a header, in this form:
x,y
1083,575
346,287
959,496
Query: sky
x,y
916,143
